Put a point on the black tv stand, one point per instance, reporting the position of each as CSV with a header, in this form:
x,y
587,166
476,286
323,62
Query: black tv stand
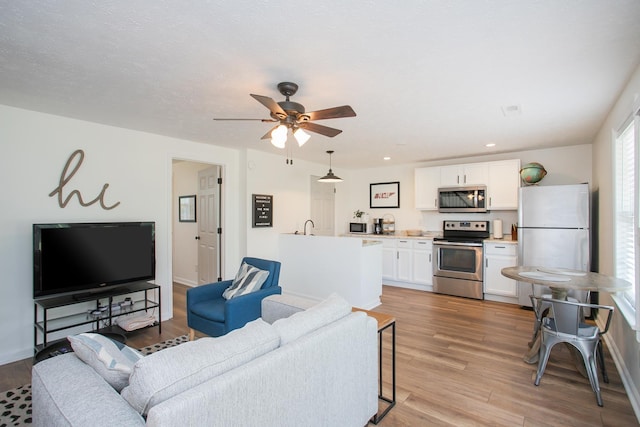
x,y
100,293
46,325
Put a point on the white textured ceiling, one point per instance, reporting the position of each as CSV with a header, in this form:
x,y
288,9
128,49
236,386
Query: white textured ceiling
x,y
427,79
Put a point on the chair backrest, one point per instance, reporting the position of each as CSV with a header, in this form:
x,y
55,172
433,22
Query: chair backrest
x,y
568,315
273,267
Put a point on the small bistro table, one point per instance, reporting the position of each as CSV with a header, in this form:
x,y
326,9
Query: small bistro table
x,y
384,321
560,281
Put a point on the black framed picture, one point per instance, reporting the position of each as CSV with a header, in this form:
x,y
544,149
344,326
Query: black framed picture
x,y
262,210
187,208
384,195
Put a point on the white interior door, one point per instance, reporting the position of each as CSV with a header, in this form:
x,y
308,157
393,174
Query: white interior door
x,y
208,225
323,201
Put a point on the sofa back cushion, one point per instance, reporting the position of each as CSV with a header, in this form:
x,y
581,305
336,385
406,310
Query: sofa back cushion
x,y
304,322
171,371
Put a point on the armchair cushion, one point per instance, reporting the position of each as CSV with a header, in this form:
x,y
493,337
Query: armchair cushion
x,y
247,280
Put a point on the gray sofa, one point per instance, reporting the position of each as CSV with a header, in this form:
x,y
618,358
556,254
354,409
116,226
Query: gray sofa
x,y
301,364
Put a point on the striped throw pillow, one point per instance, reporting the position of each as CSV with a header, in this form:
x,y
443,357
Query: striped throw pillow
x,y
248,279
111,359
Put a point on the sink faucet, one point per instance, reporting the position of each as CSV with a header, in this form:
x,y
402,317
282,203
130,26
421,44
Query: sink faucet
x,y
305,226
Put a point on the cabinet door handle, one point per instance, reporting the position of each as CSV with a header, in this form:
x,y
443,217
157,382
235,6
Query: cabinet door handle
x,y
458,180
486,262
429,257
490,204
465,178
501,247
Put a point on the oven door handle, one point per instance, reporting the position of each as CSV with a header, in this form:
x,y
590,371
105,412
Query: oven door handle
x,y
457,244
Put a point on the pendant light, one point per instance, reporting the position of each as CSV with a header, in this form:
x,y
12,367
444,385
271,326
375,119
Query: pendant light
x,y
330,177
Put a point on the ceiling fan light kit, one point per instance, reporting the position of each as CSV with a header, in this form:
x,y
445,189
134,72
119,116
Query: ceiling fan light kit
x,y
301,136
330,176
292,115
279,136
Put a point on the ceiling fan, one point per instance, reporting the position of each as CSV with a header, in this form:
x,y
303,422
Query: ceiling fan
x,y
292,115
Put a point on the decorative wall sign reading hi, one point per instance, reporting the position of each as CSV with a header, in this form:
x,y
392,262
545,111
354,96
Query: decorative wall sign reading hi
x,y
64,179
262,210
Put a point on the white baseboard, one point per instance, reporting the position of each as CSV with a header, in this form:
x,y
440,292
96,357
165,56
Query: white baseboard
x,y
627,380
186,282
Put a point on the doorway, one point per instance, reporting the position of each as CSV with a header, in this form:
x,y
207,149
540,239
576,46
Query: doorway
x,y
197,246
323,201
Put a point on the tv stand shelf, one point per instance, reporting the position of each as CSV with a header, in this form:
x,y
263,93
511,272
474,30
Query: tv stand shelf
x,y
49,325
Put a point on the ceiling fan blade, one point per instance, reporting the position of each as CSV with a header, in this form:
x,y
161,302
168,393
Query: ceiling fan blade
x,y
262,120
270,104
331,113
322,130
268,134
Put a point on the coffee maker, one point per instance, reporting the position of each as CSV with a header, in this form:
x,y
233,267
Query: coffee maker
x,y
377,225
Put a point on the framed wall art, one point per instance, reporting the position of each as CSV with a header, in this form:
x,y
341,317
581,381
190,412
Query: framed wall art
x,y
384,195
262,210
187,208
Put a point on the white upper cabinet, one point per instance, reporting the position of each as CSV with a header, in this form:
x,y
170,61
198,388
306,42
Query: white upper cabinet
x,y
427,181
503,184
502,179
469,174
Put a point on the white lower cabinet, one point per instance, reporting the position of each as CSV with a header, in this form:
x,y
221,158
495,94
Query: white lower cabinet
x,y
403,257
422,255
389,258
407,262
496,257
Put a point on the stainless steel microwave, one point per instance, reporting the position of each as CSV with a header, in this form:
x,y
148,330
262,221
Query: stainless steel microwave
x,y
358,227
462,199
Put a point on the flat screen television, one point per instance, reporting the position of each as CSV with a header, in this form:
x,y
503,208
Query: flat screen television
x,y
87,257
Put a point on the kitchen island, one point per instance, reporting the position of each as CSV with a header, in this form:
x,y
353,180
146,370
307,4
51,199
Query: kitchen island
x,y
317,266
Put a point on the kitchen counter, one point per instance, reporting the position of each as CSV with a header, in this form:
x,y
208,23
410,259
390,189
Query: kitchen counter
x,y
506,239
397,235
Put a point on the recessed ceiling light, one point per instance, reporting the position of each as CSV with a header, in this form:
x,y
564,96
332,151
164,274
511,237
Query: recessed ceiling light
x,y
491,144
386,158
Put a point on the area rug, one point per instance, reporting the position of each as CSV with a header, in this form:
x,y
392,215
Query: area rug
x,y
15,404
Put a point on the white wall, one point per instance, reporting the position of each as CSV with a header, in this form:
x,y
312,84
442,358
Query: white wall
x,y
623,343
290,187
137,166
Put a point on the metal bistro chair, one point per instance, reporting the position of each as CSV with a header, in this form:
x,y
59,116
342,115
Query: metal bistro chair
x,y
565,324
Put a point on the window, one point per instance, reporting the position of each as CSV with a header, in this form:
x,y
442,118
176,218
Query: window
x,y
626,210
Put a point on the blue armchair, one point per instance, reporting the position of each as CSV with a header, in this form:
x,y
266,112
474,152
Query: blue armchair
x,y
210,313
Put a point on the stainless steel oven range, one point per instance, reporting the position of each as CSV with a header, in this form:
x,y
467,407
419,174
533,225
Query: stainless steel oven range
x,y
458,255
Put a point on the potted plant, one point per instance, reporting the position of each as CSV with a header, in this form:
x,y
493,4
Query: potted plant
x,y
358,215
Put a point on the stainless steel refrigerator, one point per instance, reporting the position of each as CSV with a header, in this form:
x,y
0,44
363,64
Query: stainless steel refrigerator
x,y
553,231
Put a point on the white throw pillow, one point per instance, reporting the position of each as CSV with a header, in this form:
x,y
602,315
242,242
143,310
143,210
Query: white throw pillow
x,y
112,361
248,279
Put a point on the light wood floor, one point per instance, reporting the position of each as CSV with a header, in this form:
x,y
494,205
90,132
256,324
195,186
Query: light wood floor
x,y
459,363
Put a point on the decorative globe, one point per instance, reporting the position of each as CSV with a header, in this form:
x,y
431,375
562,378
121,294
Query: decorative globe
x,y
532,173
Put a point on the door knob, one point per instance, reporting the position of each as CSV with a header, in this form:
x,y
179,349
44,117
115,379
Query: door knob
x,y
197,237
